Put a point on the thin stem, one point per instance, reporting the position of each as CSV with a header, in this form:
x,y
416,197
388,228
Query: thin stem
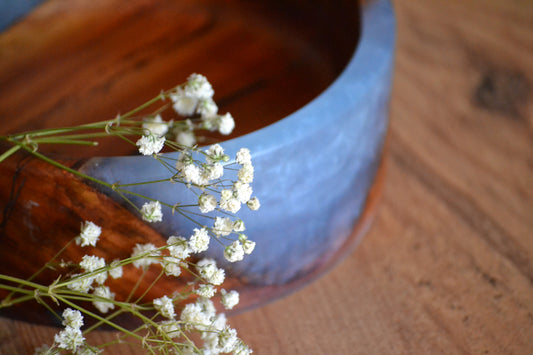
x,y
9,152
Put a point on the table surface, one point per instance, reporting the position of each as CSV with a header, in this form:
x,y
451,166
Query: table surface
x,y
447,266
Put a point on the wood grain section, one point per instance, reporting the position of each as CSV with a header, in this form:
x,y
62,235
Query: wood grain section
x,y
447,265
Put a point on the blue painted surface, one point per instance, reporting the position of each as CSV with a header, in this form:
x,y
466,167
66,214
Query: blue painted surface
x,y
313,168
12,10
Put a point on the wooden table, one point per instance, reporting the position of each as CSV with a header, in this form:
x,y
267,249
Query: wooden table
x,y
447,266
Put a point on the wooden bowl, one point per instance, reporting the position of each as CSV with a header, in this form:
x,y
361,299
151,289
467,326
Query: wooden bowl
x,y
308,84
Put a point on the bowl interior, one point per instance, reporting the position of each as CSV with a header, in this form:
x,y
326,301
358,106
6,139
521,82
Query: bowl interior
x,y
74,62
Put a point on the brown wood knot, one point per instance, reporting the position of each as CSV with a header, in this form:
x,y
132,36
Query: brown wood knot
x,y
503,91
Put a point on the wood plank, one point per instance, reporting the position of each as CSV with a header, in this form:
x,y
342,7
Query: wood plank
x,y
448,264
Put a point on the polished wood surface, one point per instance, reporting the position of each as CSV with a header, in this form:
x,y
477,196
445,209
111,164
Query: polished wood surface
x,y
447,266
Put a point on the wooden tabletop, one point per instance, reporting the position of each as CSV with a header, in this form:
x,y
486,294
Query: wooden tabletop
x,y
447,267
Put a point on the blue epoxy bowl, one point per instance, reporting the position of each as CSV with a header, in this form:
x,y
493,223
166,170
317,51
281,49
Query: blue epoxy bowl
x,y
318,171
314,170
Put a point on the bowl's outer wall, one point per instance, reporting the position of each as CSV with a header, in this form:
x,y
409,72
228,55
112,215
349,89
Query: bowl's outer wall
x,y
313,169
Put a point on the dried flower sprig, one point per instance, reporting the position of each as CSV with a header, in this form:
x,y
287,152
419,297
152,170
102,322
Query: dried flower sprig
x,y
166,322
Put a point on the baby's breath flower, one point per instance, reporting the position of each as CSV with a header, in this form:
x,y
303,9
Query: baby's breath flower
x,y
246,174
234,252
229,299
242,191
243,156
89,234
151,211
72,318
227,339
199,241
171,266
212,171
206,290
223,226
199,87
69,339
207,202
183,105
207,107
192,315
248,246
178,247
226,124
104,292
155,126
208,270
165,306
115,270
231,204
241,348
191,173
91,263
150,144
170,328
186,138
215,153
238,226
253,204
150,258
82,283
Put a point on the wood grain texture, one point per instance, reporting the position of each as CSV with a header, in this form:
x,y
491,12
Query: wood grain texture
x,y
447,267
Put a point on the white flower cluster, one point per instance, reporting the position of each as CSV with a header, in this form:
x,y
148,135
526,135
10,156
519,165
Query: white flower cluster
x,y
150,144
196,98
217,335
89,234
70,338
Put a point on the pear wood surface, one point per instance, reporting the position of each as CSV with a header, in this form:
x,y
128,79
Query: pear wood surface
x,y
447,266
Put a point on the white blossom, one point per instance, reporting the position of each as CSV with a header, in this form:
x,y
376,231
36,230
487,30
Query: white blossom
x,y
226,124
206,290
150,144
170,328
243,156
207,202
151,211
231,204
215,153
193,315
81,283
155,126
89,234
199,241
92,263
209,271
227,339
69,339
178,247
234,252
72,318
223,226
183,105
115,270
248,246
104,292
241,348
253,204
238,226
242,191
229,299
186,138
199,87
246,174
171,266
207,107
165,306
151,256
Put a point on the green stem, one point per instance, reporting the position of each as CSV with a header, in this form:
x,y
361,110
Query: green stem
x,y
9,152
